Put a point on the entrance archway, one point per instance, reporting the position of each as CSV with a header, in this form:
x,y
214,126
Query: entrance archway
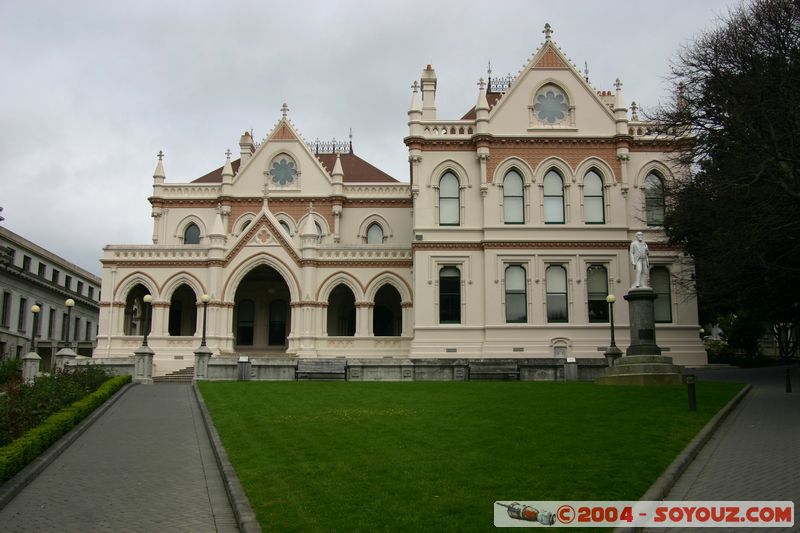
x,y
261,318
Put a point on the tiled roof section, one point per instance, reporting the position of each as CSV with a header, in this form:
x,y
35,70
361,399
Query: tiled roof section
x,y
550,60
492,98
355,169
215,176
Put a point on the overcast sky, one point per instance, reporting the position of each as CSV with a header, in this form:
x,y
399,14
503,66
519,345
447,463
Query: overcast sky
x,y
91,91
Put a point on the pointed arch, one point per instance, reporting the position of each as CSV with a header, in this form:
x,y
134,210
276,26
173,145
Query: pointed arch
x,y
340,278
181,278
559,84
521,166
125,285
452,166
554,162
185,222
392,279
242,223
285,218
375,218
600,166
262,258
648,168
272,157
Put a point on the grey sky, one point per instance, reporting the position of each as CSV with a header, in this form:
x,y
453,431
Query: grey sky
x,y
92,91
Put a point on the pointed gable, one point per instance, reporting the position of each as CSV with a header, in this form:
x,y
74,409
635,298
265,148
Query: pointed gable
x,y
550,59
283,133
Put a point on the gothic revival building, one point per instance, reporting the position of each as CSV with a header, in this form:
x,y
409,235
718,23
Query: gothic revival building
x,y
512,231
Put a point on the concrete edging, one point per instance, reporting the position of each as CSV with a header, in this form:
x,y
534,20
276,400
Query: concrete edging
x,y
12,487
661,487
245,517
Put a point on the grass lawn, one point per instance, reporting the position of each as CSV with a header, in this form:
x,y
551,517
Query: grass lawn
x,y
435,456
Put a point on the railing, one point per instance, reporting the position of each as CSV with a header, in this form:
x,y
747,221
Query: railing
x,y
450,128
157,252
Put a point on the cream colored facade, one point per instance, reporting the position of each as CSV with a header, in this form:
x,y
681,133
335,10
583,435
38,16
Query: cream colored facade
x,y
287,228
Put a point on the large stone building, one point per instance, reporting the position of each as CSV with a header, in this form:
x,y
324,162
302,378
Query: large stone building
x,y
31,275
512,231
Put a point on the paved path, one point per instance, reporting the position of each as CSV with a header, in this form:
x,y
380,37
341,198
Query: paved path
x,y
755,454
145,465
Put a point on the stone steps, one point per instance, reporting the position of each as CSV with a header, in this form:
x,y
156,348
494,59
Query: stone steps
x,y
184,375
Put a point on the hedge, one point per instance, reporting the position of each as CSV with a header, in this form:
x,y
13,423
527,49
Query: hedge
x,y
18,454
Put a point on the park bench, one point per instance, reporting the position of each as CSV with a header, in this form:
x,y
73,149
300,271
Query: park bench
x,y
493,372
321,370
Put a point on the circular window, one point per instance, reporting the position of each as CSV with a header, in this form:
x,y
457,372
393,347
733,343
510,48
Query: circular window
x,y
283,170
550,105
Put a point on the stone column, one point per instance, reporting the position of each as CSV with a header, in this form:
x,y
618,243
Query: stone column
x,y
143,365
201,357
30,366
642,320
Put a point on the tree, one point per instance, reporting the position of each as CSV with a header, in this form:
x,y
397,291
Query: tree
x,y
737,209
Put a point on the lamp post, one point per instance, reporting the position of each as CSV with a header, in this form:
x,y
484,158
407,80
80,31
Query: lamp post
x,y
35,310
146,326
70,303
612,353
205,299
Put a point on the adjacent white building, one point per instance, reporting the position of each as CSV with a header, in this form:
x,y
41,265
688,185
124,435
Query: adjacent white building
x,y
513,229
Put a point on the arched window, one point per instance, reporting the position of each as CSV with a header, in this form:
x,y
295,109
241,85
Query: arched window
x,y
556,286
662,307
654,199
245,224
191,235
374,234
597,287
449,295
341,312
134,312
387,315
550,105
593,202
553,198
516,296
513,198
245,317
318,229
285,227
449,200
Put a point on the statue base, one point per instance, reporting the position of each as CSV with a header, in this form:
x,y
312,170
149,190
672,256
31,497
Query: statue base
x,y
642,370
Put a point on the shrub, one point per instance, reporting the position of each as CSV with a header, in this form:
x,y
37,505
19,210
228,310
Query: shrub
x,y
19,453
10,369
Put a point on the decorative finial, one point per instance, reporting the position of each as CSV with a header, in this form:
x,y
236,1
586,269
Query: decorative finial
x,y
481,84
415,85
284,109
489,70
548,31
586,71
228,154
351,135
618,84
634,111
160,155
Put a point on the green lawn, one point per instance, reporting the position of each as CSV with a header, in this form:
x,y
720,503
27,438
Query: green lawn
x,y
435,456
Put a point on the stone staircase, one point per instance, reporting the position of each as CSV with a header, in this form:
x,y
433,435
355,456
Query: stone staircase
x,y
183,375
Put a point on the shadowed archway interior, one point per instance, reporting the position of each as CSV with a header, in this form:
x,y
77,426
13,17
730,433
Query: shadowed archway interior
x,y
261,317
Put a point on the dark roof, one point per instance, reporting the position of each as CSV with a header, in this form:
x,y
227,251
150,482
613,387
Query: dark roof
x,y
492,98
355,169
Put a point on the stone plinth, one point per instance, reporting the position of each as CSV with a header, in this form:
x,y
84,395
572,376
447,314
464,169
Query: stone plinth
x,y
642,370
64,356
30,366
143,365
201,357
643,324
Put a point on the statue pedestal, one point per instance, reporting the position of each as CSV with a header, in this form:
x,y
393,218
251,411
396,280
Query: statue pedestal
x,y
643,363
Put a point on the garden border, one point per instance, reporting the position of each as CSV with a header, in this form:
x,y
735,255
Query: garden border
x,y
12,487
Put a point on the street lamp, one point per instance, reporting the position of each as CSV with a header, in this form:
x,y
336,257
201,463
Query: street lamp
x,y
35,310
613,352
70,303
205,299
147,300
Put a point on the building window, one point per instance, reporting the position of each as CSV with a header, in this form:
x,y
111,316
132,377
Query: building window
x,y
51,323
42,270
556,286
87,334
662,307
516,296
550,105
593,201
68,282
26,263
513,198
597,287
341,312
91,292
76,329
23,314
553,198
285,227
374,234
283,170
318,229
54,277
64,326
5,315
37,321
449,200
245,317
654,199
245,224
449,295
80,287
191,235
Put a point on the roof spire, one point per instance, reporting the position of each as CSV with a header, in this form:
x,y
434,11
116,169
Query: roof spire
x,y
351,141
548,31
586,71
159,172
284,109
